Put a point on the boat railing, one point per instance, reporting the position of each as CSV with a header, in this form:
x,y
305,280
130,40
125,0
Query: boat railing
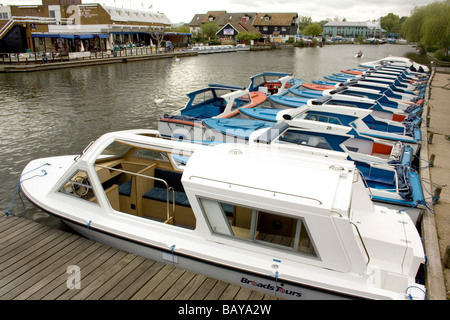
x,y
362,242
168,189
256,188
364,181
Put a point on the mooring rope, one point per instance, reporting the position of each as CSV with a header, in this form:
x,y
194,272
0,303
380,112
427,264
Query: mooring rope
x,y
17,191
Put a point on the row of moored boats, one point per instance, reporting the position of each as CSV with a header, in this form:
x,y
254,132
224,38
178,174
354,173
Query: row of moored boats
x,y
303,191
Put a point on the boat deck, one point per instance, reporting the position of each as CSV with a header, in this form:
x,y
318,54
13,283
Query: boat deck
x,y
36,260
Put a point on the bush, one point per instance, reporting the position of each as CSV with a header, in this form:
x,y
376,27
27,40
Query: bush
x,y
441,55
300,44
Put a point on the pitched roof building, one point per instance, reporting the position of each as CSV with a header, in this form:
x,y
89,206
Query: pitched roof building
x,y
273,27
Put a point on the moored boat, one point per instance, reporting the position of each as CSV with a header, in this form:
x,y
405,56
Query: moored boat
x,y
385,165
214,101
386,108
231,213
273,83
399,62
363,120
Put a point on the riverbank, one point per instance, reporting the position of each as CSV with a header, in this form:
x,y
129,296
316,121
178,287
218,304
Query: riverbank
x,y
438,147
39,66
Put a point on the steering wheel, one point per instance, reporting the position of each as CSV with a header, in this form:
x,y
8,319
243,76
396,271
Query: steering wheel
x,y
80,186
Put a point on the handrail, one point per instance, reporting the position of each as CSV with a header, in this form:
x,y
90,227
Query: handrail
x,y
153,178
362,242
365,183
274,192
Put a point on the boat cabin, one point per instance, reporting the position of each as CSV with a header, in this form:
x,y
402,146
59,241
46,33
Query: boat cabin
x,y
273,82
219,101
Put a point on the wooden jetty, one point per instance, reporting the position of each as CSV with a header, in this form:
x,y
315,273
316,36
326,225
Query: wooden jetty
x,y
36,262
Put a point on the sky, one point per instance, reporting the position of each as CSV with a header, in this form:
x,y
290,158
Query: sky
x,y
184,10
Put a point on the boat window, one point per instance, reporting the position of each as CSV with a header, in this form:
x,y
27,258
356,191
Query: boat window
x,y
209,95
260,227
296,137
258,81
241,101
151,155
203,97
322,118
115,149
290,84
143,183
79,186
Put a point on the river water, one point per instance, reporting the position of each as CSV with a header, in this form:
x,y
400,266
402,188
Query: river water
x,y
58,112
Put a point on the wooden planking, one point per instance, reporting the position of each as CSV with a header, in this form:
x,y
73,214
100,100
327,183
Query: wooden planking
x,y
34,259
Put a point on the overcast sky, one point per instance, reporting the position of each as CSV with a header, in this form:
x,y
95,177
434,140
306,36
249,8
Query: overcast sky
x,y
184,10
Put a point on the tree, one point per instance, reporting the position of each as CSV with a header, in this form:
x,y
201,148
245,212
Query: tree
x,y
210,29
303,22
157,34
391,23
314,29
247,36
430,25
182,29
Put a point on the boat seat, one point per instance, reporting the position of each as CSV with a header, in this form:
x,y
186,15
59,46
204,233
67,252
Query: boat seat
x,y
159,191
125,189
380,179
160,194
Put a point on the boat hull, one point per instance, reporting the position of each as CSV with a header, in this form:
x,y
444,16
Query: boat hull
x,y
267,284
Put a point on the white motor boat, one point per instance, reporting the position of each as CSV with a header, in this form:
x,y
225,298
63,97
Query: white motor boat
x,y
399,62
294,223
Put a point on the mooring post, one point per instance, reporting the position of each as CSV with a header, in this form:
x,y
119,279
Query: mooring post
x,y
432,158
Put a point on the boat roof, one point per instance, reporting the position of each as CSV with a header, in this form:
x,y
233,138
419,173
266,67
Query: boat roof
x,y
293,175
147,138
214,87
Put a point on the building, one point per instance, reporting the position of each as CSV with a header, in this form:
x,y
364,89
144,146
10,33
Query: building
x,y
277,27
70,26
354,29
231,29
273,27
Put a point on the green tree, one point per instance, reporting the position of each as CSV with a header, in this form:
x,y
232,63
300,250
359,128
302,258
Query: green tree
x,y
430,25
391,23
210,29
314,29
303,22
182,29
247,36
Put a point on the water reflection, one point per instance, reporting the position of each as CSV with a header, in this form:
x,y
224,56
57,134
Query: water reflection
x,y
59,112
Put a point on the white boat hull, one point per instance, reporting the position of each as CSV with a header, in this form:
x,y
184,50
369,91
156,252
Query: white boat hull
x,y
267,284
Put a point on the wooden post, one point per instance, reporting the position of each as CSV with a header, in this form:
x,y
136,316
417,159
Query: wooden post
x,y
437,194
446,260
432,158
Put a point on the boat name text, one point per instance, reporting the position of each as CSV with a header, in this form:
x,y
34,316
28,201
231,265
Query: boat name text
x,y
271,287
